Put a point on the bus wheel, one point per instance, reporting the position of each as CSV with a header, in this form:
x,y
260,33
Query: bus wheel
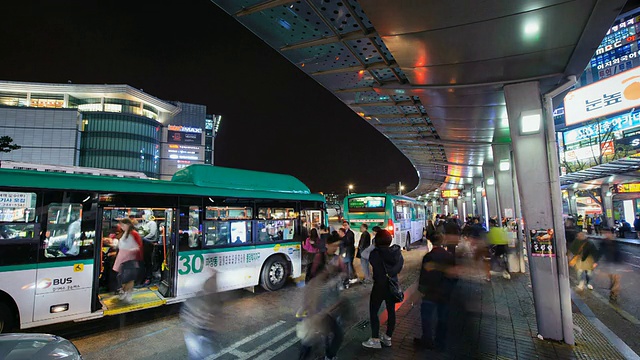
x,y
408,244
7,318
274,273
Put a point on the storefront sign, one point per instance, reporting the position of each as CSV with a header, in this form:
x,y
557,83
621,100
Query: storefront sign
x,y
628,188
617,123
187,129
612,95
589,152
542,243
454,193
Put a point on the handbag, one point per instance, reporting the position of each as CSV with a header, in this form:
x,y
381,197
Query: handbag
x,y
397,295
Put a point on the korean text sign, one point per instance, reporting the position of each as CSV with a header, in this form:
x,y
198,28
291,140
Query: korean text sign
x,y
612,95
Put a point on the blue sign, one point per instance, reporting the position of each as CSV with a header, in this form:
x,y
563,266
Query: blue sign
x,y
616,123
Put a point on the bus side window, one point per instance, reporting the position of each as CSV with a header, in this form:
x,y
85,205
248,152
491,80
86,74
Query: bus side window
x,y
18,228
68,225
190,228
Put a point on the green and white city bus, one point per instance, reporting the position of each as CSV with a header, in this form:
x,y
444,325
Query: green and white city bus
x,y
405,218
55,261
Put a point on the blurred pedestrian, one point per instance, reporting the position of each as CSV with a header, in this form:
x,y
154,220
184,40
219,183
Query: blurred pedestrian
x,y
498,240
387,262
584,258
481,251
365,242
311,248
431,230
569,231
589,222
324,308
129,258
436,285
636,224
200,315
613,265
452,235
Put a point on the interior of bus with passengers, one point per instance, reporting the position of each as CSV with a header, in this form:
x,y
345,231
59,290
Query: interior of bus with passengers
x,y
61,240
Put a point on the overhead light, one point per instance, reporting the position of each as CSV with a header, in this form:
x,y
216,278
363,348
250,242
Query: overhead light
x,y
530,122
531,28
505,165
468,193
479,189
609,193
490,181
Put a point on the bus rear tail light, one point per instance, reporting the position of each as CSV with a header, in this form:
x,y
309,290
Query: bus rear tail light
x,y
390,227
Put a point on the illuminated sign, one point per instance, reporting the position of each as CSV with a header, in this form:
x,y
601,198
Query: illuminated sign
x,y
187,129
628,188
184,137
609,96
589,152
621,122
454,193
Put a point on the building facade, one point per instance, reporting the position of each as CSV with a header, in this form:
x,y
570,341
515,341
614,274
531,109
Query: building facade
x,y
104,126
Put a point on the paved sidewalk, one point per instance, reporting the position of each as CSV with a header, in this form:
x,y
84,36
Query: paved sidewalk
x,y
622,240
487,321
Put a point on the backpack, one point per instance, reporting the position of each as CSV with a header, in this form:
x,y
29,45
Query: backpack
x,y
138,240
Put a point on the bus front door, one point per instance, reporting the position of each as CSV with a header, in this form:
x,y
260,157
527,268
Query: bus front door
x,y
168,242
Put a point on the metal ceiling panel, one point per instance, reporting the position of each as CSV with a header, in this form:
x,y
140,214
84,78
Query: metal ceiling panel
x,y
429,74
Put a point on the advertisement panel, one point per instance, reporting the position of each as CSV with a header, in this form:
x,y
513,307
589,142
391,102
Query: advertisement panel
x,y
178,137
628,188
589,152
625,121
612,95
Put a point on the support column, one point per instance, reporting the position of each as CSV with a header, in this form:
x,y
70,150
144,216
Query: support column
x,y
468,198
449,207
478,208
536,163
490,190
607,204
522,239
504,185
573,202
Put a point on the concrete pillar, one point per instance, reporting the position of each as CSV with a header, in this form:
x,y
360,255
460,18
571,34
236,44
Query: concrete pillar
x,y
468,200
536,163
573,202
607,204
490,190
506,199
522,239
450,207
478,207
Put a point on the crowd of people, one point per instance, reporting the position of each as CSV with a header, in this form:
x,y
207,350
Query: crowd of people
x,y
330,271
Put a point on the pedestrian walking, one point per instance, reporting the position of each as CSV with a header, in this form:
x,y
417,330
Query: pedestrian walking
x,y
569,231
436,284
204,320
589,222
498,240
584,259
324,308
481,251
613,265
387,262
363,245
431,230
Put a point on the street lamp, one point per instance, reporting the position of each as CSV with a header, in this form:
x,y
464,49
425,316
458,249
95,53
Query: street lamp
x,y
401,189
349,188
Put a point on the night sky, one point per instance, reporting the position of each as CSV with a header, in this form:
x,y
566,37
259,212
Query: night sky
x,y
275,117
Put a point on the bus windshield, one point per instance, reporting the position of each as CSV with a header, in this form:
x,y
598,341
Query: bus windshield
x,y
367,204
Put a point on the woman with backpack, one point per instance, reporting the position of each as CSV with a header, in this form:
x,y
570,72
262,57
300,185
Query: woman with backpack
x,y
127,263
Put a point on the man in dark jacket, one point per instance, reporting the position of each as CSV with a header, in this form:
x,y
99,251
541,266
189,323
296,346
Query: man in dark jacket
x,y
436,286
348,252
365,242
